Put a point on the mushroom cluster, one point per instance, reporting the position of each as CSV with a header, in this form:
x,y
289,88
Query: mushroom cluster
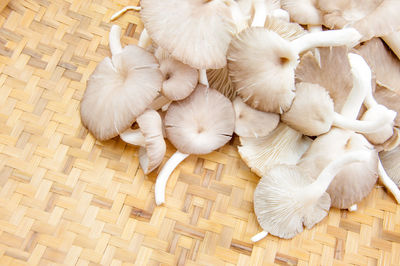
x,y
307,85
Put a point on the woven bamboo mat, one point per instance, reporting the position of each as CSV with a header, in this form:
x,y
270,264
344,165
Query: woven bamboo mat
x,y
66,198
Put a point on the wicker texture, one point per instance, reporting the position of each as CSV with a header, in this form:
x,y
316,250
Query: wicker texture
x,y
66,198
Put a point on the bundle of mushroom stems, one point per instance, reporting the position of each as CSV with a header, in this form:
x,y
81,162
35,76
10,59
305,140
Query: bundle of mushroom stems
x,y
312,93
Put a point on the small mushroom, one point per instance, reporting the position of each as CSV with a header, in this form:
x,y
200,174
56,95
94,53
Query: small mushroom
x,y
150,138
120,89
286,198
283,145
199,124
312,113
253,123
268,85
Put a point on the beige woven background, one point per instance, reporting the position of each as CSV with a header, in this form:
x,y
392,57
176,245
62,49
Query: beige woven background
x,y
66,198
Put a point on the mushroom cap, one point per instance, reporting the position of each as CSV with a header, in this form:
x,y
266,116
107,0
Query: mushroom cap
x,y
304,12
220,80
179,79
312,111
382,62
391,162
370,18
266,85
334,64
283,145
152,154
195,32
253,123
277,203
118,91
355,181
201,123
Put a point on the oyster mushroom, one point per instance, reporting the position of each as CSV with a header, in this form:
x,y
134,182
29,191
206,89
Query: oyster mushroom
x,y
268,85
312,113
120,89
286,198
253,123
150,138
283,145
199,124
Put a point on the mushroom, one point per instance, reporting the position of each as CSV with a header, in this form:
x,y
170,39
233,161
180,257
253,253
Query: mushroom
x,y
220,80
333,63
268,85
199,124
198,36
253,123
120,89
150,138
312,113
286,198
370,18
390,99
304,12
283,145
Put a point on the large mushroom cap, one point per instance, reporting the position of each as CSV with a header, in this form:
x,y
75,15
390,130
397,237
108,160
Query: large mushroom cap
x,y
152,154
277,210
201,123
196,32
261,64
353,182
179,79
312,111
119,90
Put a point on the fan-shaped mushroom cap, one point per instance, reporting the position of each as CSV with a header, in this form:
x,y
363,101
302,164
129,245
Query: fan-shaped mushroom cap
x,y
152,154
261,64
253,123
276,210
312,110
195,32
220,80
370,18
201,123
119,90
391,162
283,145
333,64
179,79
304,12
382,62
353,182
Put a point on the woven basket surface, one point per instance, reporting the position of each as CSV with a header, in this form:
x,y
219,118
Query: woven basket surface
x,y
68,199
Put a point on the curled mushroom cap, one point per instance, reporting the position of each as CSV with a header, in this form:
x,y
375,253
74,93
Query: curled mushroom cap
x,y
370,18
253,123
119,89
201,123
179,79
198,36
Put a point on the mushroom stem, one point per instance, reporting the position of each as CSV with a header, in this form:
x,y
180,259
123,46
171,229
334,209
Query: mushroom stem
x,y
164,174
360,126
122,11
388,182
115,40
349,37
133,136
260,14
203,77
361,84
393,41
259,236
315,190
353,208
144,39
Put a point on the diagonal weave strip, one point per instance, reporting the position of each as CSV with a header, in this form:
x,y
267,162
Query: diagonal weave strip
x,y
66,198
